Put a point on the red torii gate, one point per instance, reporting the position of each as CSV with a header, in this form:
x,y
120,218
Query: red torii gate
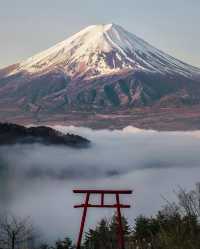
x,y
118,206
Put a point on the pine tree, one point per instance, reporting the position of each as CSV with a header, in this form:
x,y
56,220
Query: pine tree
x,y
104,234
114,230
64,244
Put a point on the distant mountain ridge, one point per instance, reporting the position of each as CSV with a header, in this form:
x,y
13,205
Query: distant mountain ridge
x,y
101,67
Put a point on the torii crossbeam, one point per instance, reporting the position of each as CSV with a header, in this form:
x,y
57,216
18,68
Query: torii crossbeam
x,y
117,205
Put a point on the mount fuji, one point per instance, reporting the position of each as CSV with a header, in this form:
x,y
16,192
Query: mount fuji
x,y
102,67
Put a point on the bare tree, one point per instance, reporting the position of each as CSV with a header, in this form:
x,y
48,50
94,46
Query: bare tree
x,y
188,202
15,232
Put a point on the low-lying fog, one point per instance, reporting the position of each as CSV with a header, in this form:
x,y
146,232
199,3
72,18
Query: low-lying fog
x,y
40,179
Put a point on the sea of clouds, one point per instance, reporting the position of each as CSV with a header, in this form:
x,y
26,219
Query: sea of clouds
x,y
40,179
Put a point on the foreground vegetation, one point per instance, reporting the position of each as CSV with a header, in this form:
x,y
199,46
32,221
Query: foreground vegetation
x,y
176,226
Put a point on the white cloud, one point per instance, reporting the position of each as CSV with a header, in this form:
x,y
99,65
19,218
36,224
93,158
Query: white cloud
x,y
41,178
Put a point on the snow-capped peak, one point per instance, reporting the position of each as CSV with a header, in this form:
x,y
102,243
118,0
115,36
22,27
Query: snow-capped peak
x,y
103,49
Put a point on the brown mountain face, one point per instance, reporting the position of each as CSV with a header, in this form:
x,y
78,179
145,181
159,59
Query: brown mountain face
x,y
103,67
53,92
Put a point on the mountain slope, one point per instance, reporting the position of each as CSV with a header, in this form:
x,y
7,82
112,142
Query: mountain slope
x,y
102,66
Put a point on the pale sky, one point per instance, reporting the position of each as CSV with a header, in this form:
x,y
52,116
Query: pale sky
x,y
30,26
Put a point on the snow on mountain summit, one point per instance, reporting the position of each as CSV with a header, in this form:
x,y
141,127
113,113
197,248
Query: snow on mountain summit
x,y
103,49
102,67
